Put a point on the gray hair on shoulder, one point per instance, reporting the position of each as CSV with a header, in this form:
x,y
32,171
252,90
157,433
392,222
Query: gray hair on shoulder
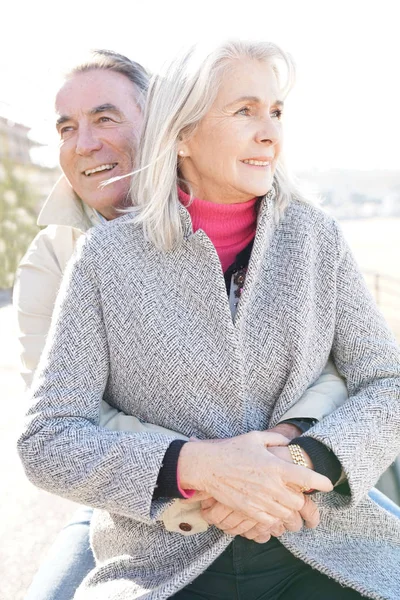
x,y
178,98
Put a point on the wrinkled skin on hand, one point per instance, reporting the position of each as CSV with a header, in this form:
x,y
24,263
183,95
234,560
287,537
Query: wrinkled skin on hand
x,y
288,430
235,523
253,488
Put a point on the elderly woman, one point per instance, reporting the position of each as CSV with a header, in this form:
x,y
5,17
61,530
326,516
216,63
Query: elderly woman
x,y
209,310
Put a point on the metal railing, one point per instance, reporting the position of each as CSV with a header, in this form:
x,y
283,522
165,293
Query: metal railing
x,y
386,291
384,283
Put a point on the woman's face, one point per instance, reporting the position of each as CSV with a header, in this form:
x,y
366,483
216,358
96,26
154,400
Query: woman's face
x,y
231,156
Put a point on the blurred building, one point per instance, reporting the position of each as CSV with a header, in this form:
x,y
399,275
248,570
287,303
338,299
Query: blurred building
x,y
24,184
352,194
16,152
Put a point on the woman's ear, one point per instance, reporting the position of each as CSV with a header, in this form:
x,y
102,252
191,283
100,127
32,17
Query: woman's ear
x,y
183,144
183,150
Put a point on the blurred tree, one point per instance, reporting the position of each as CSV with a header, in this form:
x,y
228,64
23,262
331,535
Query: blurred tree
x,y
18,214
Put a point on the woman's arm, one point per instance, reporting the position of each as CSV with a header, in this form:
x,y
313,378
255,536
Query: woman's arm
x,y
364,433
38,280
62,447
66,452
37,283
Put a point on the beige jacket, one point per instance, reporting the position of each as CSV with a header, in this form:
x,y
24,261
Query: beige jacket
x,y
66,218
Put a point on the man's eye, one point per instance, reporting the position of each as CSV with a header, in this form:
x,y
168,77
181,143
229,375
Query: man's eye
x,y
104,119
65,130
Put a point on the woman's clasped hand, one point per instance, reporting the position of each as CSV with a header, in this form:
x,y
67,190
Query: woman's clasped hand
x,y
246,489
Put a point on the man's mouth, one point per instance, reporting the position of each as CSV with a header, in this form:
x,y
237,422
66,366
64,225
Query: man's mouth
x,y
100,168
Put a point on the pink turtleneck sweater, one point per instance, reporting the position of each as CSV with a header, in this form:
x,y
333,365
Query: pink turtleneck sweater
x,y
230,227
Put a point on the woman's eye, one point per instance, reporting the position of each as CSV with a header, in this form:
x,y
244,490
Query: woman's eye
x,y
277,114
243,111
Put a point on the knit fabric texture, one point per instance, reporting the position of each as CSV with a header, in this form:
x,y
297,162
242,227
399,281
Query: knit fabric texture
x,y
152,332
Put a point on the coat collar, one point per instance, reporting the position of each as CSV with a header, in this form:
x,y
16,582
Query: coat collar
x,y
64,207
264,213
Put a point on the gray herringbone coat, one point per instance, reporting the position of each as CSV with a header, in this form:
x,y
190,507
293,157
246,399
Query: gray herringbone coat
x,y
153,332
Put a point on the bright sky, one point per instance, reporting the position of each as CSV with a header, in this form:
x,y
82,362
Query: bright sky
x,y
343,113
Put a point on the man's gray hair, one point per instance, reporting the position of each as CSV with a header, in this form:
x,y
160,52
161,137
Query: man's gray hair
x,y
108,60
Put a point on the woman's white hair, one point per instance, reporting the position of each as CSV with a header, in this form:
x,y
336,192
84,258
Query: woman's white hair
x,y
178,99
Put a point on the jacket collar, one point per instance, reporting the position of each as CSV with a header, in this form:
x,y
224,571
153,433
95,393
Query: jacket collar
x,y
64,207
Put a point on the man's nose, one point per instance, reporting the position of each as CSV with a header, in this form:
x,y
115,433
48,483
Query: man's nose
x,y
87,141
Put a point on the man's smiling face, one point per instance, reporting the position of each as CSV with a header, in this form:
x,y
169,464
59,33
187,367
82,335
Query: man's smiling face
x,y
99,123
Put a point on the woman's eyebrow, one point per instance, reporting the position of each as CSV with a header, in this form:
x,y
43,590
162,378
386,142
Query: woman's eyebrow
x,y
254,100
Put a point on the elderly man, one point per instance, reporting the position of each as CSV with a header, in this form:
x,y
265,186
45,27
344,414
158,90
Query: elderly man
x,y
99,118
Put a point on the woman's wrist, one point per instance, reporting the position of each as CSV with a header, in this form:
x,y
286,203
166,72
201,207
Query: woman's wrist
x,y
323,459
283,453
191,464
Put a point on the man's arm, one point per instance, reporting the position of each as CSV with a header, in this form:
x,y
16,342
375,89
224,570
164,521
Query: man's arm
x,y
323,396
36,286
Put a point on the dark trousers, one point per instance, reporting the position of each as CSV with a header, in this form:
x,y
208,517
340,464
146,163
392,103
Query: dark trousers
x,y
250,571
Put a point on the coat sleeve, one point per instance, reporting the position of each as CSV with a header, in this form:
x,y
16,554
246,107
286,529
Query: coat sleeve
x,y
62,447
364,433
37,282
323,396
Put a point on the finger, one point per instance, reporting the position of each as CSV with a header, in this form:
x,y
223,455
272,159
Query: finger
x,y
245,526
279,502
208,503
276,510
261,530
252,533
271,438
217,513
197,497
241,528
310,513
262,539
306,478
287,497
295,524
232,521
264,510
258,533
278,530
288,430
260,515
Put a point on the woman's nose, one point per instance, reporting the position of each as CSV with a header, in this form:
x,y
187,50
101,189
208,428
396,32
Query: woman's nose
x,y
268,132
